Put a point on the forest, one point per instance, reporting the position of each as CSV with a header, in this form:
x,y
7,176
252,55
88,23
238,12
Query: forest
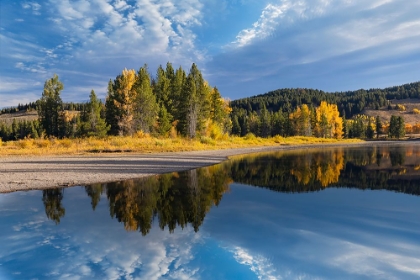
x,y
286,110
174,103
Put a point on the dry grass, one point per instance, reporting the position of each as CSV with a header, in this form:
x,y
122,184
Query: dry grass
x,y
19,116
147,144
409,116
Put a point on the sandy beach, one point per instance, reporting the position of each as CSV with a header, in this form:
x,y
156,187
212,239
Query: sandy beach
x,y
19,173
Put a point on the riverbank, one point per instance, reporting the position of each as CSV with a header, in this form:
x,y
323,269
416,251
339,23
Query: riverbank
x,y
19,173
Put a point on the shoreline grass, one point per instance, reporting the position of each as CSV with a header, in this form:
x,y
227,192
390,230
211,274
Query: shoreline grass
x,y
118,144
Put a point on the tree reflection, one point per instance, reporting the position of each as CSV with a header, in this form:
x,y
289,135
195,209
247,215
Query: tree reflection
x,y
52,203
377,167
176,199
179,199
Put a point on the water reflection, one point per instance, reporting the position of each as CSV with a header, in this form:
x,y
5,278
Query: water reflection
x,y
183,198
394,169
330,230
175,199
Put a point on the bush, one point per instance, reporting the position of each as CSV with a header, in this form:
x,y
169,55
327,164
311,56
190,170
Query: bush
x,y
207,140
416,111
250,136
400,107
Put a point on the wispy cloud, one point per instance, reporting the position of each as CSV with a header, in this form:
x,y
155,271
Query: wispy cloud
x,y
33,6
261,266
321,44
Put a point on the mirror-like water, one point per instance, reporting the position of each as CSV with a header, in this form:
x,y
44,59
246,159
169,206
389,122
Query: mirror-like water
x,y
337,213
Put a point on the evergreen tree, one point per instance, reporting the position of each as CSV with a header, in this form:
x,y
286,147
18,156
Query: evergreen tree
x,y
164,121
162,88
146,108
370,132
175,92
401,128
378,125
265,122
111,109
188,108
92,122
50,107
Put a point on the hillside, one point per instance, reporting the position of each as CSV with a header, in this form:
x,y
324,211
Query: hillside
x,y
18,116
349,103
408,115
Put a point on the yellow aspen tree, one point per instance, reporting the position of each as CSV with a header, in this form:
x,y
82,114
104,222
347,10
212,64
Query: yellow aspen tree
x,y
328,122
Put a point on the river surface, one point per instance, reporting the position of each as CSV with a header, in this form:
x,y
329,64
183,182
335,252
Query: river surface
x,y
315,214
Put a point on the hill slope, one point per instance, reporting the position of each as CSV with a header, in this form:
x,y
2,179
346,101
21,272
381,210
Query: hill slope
x,y
349,103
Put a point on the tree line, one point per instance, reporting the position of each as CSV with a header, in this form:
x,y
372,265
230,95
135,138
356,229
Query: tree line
x,y
174,102
349,103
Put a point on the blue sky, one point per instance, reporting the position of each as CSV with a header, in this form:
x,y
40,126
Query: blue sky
x,y
244,47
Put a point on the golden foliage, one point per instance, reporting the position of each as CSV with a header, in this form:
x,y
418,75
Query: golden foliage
x,y
329,122
313,167
148,144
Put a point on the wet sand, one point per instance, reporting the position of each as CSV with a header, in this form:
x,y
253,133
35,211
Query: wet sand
x,y
19,173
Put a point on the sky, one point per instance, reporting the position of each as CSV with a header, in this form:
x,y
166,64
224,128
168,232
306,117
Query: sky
x,y
244,47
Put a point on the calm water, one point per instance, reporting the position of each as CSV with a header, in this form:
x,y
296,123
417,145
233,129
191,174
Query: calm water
x,y
333,214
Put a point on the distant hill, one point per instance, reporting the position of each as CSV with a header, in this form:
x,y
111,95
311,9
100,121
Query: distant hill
x,y
350,103
385,113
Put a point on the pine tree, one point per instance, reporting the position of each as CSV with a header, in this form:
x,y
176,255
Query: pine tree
x,y
188,108
146,108
401,127
164,121
111,109
370,132
50,107
175,92
378,125
162,87
93,124
265,122
393,127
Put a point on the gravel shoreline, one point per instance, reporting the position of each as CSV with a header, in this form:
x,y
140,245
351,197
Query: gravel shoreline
x,y
19,173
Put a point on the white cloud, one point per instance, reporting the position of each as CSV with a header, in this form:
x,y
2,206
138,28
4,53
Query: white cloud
x,y
329,45
261,266
34,6
261,28
141,30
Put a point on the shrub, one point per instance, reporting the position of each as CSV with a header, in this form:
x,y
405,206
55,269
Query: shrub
x,y
207,140
400,107
416,111
66,143
250,136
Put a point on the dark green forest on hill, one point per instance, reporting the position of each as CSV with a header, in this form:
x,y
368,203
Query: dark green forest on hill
x,y
350,103
281,112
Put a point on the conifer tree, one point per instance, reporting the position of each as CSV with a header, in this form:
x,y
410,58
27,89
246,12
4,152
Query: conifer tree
x,y
164,121
175,92
378,125
162,87
92,122
50,107
370,132
146,108
188,108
